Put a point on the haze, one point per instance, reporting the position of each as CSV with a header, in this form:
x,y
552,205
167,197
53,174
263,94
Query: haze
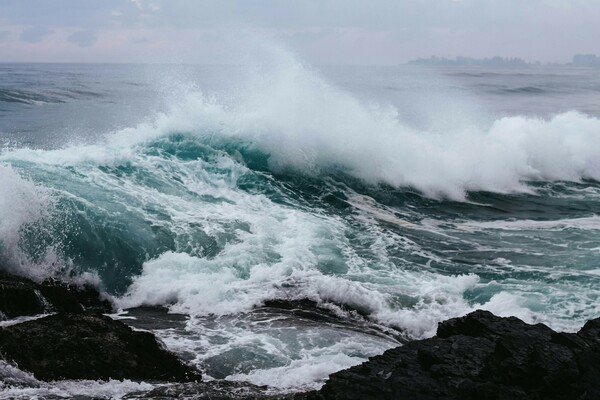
x,y
320,31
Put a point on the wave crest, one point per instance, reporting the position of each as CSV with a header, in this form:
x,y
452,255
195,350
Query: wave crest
x,y
308,126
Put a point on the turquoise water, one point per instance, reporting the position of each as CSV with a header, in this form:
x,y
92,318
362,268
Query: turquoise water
x,y
409,196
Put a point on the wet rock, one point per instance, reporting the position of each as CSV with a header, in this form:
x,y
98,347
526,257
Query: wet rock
x,y
479,356
72,298
89,346
22,297
19,297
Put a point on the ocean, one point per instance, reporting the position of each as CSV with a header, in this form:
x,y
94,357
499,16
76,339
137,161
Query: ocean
x,y
394,197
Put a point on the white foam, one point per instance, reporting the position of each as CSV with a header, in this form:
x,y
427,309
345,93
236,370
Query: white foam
x,y
371,209
112,389
21,202
13,376
20,320
308,373
585,223
506,304
18,384
202,287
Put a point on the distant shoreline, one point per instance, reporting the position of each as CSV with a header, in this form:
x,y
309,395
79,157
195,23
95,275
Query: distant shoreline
x,y
578,61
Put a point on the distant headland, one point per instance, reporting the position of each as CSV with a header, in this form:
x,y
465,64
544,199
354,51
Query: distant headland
x,y
579,60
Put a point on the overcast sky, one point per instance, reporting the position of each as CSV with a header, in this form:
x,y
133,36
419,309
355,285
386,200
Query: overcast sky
x,y
320,31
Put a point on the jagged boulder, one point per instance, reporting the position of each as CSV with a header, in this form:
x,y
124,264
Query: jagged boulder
x,y
89,346
64,297
479,356
20,296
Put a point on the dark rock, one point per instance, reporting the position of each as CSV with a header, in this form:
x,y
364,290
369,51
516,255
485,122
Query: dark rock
x,y
19,297
22,297
479,356
59,298
89,346
72,298
591,330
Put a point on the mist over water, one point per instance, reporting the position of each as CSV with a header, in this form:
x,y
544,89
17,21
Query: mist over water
x,y
390,196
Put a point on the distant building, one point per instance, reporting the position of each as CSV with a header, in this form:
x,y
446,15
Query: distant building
x,y
586,60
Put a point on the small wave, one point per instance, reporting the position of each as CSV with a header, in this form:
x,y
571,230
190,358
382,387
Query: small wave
x,y
478,74
26,97
586,223
524,90
77,94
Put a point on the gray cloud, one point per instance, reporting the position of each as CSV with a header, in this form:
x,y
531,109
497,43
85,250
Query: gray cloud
x,y
34,34
83,38
4,34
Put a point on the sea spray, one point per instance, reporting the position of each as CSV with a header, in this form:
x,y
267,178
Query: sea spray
x,y
304,124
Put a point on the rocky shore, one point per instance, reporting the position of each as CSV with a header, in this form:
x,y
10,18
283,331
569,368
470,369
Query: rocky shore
x,y
76,341
478,356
